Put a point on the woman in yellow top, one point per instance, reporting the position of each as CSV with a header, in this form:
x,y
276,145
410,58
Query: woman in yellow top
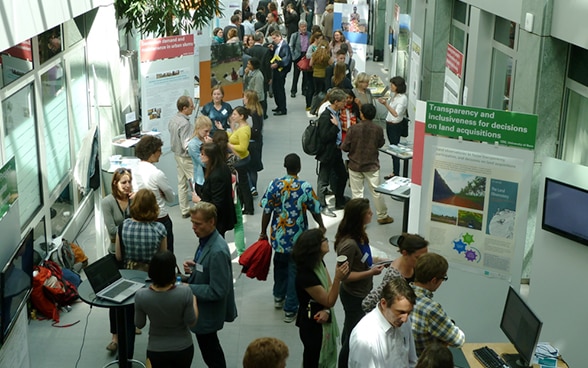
x,y
239,144
319,61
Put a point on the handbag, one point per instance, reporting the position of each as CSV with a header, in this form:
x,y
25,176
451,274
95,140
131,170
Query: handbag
x,y
304,64
404,127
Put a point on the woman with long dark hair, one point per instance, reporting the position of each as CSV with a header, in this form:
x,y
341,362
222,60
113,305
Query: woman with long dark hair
x,y
352,241
317,325
251,101
239,144
171,309
217,188
396,106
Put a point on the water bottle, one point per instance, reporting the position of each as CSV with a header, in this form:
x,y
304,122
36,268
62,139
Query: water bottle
x,y
178,280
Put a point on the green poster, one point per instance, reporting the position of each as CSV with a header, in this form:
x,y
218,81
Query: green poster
x,y
506,128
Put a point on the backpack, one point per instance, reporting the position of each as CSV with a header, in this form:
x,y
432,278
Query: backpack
x,y
63,255
310,139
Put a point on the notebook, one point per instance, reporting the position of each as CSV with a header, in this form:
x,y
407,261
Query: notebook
x,y
107,281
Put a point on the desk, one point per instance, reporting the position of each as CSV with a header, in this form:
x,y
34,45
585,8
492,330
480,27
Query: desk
x,y
401,151
88,296
499,347
399,189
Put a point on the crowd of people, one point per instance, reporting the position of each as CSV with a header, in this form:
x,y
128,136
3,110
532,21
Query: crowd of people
x,y
218,158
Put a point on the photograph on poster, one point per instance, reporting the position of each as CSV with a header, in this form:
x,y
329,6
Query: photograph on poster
x,y
226,61
502,204
444,214
469,219
154,113
459,189
355,18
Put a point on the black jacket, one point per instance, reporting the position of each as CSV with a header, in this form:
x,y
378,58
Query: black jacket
x,y
328,137
218,190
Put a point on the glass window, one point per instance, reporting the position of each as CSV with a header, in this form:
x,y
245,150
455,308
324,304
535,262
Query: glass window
x,y
71,31
500,81
457,38
575,140
460,11
61,211
79,96
19,118
15,62
577,67
50,44
56,128
504,31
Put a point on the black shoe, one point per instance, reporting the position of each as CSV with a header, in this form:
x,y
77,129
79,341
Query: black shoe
x,y
250,213
327,212
186,215
278,113
276,109
293,95
265,117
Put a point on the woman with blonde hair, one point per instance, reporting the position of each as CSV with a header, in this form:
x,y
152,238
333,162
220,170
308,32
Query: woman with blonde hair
x,y
319,61
201,135
363,95
250,99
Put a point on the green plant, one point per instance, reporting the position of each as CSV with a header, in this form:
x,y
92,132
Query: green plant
x,y
165,17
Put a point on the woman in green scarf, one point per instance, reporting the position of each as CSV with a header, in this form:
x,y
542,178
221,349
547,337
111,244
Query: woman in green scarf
x,y
317,295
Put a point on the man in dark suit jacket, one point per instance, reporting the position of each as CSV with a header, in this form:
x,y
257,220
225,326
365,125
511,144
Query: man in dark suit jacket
x,y
331,167
211,281
281,65
235,23
264,55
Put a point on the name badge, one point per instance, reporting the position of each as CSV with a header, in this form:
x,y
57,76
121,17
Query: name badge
x,y
224,111
199,268
364,258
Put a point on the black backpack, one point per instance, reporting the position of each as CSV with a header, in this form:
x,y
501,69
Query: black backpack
x,y
310,139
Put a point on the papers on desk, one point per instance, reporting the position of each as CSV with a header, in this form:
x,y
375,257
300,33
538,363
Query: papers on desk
x,y
395,183
546,355
400,150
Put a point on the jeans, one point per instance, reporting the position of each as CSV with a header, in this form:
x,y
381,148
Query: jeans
x,y
353,314
393,133
243,188
285,281
211,349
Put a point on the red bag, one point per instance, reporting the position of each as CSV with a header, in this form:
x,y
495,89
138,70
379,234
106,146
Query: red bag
x,y
40,301
304,64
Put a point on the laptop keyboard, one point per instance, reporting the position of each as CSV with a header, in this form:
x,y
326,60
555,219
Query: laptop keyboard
x,y
118,289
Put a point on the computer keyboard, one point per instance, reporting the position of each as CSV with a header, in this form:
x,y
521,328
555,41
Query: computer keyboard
x,y
489,359
118,289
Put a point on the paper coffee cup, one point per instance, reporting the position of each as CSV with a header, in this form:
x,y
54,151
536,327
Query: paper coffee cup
x,y
341,260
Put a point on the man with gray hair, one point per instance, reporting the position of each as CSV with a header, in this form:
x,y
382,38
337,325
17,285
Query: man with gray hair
x,y
331,168
299,42
264,55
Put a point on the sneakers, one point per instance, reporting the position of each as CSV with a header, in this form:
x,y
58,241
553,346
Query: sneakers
x,y
289,317
254,192
279,303
385,220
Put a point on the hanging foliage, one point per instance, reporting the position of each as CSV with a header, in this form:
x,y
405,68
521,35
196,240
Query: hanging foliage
x,y
166,17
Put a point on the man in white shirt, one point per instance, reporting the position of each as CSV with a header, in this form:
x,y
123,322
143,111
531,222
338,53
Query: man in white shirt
x,y
147,175
180,132
383,338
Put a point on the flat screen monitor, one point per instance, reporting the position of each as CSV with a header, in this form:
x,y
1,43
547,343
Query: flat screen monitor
x,y
522,327
16,281
133,129
564,210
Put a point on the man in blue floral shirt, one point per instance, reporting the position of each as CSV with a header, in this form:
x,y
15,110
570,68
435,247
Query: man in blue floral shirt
x,y
285,203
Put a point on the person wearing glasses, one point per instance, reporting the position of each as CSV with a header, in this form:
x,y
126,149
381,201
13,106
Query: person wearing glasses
x,y
430,323
317,295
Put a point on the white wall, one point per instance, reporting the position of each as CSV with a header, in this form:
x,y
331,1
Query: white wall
x,y
23,19
507,9
557,292
568,21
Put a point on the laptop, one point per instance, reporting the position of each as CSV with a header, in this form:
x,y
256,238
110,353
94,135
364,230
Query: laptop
x,y
107,281
133,129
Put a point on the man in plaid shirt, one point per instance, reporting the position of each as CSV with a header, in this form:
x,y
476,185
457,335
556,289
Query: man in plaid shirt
x,y
430,323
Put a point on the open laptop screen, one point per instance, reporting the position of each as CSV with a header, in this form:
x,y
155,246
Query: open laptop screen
x,y
133,129
103,272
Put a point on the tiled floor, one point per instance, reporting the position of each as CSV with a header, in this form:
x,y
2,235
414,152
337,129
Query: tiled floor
x,y
61,347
